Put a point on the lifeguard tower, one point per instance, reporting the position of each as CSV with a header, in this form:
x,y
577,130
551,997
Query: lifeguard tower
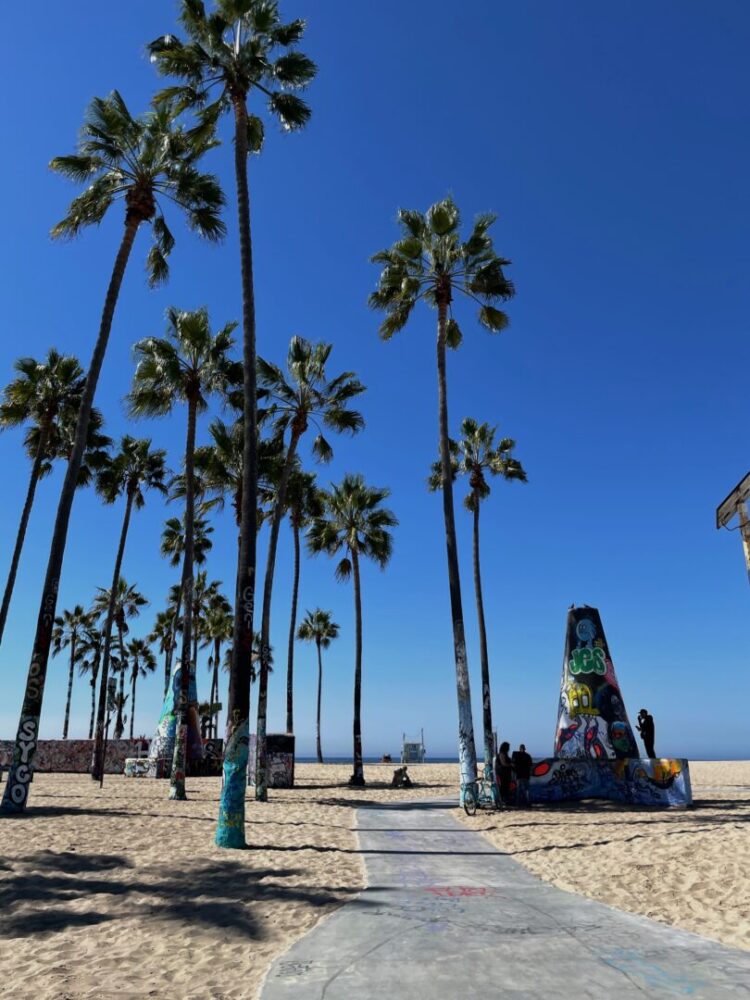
x,y
413,751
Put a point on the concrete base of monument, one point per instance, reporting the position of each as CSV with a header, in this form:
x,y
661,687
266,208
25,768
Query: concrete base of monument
x,y
641,781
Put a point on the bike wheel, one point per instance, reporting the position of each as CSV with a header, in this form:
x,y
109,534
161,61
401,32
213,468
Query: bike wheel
x,y
470,801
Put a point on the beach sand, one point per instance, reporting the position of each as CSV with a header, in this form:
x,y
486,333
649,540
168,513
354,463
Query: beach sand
x,y
121,893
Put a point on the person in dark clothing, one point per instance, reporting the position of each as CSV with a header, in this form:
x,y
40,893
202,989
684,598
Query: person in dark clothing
x,y
522,766
646,728
504,773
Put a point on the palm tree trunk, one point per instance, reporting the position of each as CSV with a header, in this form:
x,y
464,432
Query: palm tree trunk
x,y
485,661
215,687
261,775
70,686
358,776
21,535
317,717
94,675
292,629
230,830
17,787
179,761
173,641
133,681
467,755
119,724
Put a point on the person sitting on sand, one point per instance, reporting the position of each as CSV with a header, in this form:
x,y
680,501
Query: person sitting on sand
x,y
522,766
646,728
504,772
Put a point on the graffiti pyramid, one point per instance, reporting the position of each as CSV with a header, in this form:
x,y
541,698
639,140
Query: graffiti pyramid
x,y
592,722
162,745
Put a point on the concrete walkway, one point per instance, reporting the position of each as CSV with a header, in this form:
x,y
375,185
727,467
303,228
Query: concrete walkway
x,y
447,917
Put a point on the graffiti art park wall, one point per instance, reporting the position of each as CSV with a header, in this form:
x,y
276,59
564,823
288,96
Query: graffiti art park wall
x,y
639,781
74,756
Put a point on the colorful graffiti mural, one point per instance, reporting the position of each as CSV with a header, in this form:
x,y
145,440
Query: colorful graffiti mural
x,y
639,781
162,745
279,760
74,756
592,721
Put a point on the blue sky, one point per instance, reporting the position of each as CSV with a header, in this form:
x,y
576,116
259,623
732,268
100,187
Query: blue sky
x,y
614,143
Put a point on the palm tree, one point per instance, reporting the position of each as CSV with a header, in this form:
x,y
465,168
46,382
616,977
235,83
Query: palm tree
x,y
47,395
356,525
474,456
431,263
142,663
163,635
205,596
303,503
69,630
131,472
92,647
303,396
218,628
136,161
232,53
319,627
190,364
123,605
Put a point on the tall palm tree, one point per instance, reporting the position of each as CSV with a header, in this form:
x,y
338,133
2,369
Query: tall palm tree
x,y
354,523
304,395
303,503
123,605
46,395
130,472
218,629
70,628
142,663
92,647
475,455
231,55
431,263
319,627
189,365
135,161
163,635
205,595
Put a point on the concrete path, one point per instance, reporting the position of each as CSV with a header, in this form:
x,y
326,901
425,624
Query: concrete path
x,y
447,917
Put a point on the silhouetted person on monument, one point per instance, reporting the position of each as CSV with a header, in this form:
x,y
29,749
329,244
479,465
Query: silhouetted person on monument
x,y
504,773
645,727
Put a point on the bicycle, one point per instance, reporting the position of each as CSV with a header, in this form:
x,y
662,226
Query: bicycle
x,y
479,794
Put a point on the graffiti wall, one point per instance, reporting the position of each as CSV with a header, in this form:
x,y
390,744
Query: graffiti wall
x,y
639,781
592,721
280,760
74,756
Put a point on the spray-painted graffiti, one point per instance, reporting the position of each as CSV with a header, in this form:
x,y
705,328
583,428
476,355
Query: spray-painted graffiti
x,y
163,743
71,756
592,721
230,830
279,760
638,781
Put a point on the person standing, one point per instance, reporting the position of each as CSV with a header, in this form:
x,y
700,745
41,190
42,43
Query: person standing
x,y
646,728
504,773
522,766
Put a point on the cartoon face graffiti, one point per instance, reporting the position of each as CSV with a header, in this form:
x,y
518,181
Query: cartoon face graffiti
x,y
586,631
579,700
620,736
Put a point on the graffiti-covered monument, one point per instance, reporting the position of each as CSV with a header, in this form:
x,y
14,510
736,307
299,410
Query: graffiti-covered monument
x,y
595,751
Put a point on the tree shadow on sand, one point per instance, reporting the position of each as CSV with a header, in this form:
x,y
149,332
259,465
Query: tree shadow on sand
x,y
217,894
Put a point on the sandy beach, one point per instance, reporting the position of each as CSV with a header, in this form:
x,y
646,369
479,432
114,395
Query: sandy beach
x,y
121,893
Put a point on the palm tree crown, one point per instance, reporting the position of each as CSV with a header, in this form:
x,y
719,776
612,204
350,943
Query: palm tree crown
x,y
319,627
133,470
234,50
140,160
475,455
353,521
430,262
305,395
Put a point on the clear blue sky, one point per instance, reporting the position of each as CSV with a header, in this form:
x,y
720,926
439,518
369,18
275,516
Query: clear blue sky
x,y
613,141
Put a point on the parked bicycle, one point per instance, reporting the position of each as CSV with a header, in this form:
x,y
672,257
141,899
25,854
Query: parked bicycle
x,y
479,794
